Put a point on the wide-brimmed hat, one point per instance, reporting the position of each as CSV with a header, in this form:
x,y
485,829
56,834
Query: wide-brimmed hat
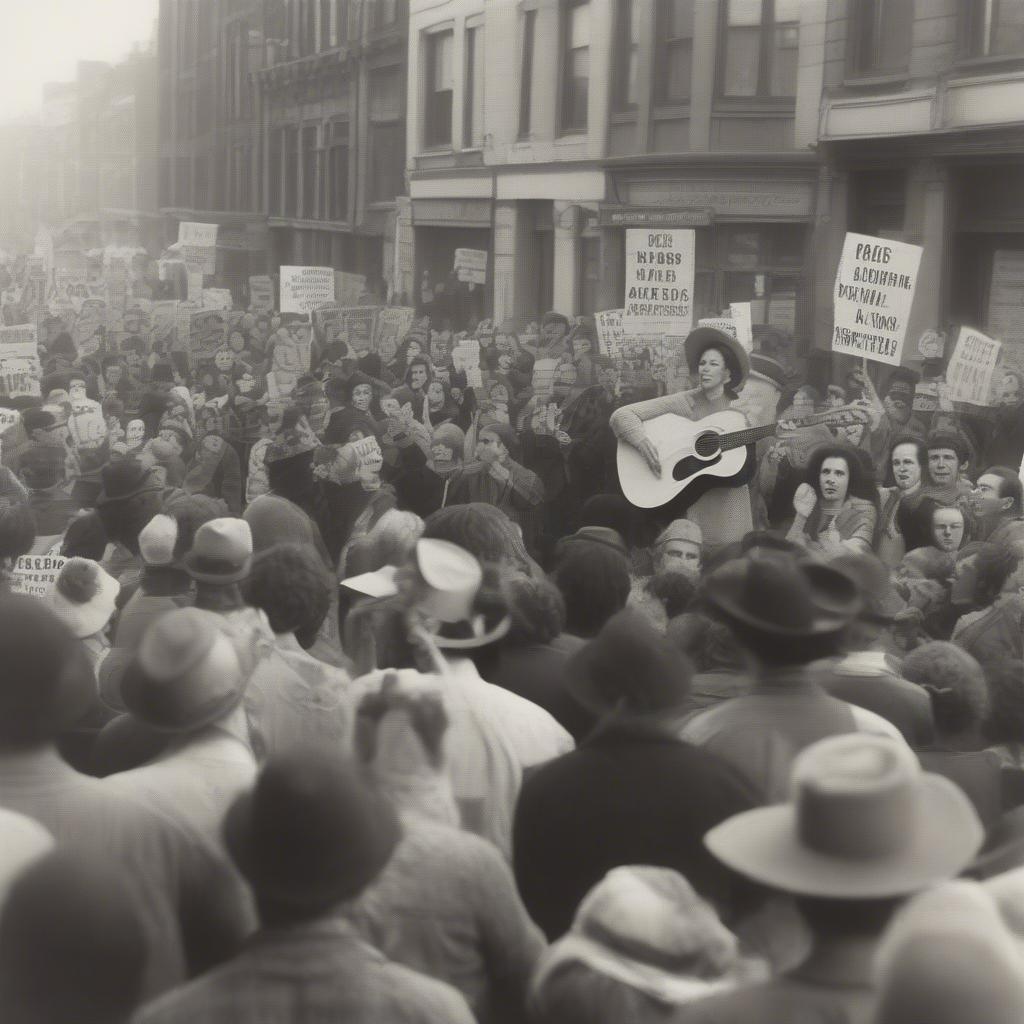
x,y
702,338
783,597
603,535
629,666
863,822
84,596
770,369
221,551
310,834
880,602
185,675
126,479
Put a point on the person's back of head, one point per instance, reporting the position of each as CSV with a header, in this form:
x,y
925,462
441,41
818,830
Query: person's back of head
x,y
1005,721
537,609
72,947
484,531
706,641
594,582
290,583
956,684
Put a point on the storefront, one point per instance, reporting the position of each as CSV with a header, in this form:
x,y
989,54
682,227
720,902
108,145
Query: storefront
x,y
440,227
753,238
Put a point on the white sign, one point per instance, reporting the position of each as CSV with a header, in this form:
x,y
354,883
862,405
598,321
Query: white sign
x,y
874,293
8,418
970,370
471,265
744,324
195,286
36,574
197,244
304,289
217,298
20,371
659,281
261,294
367,452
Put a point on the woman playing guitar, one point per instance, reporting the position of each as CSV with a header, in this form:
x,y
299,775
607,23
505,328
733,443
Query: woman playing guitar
x,y
721,365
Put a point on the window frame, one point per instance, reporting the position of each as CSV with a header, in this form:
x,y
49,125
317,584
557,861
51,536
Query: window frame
x,y
473,37
526,67
660,60
968,34
565,12
762,98
623,54
336,148
430,120
858,72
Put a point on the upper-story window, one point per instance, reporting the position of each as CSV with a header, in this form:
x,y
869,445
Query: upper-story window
x,y
628,14
386,12
473,101
993,28
760,41
526,73
575,65
673,63
437,129
880,36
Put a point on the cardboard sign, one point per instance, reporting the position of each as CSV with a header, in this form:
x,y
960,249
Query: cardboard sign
x,y
391,326
471,265
367,452
217,298
20,371
207,333
197,244
303,289
741,317
926,396
261,294
659,281
971,367
36,574
639,358
874,293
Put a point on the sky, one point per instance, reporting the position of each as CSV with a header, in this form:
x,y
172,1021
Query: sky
x,y
44,40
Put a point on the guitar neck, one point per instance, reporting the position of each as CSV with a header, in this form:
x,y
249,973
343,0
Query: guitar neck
x,y
741,438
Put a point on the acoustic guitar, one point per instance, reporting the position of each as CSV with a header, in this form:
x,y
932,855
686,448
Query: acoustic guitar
x,y
698,454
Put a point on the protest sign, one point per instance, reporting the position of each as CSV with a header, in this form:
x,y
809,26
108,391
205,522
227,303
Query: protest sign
x,y
390,327
8,418
367,452
35,575
471,265
261,293
926,396
20,371
659,281
217,298
466,359
305,288
90,326
639,358
206,334
970,369
874,293
358,324
348,288
164,319
197,244
740,312
195,286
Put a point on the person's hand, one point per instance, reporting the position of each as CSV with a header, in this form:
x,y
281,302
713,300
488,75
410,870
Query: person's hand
x,y
563,438
650,455
804,500
499,472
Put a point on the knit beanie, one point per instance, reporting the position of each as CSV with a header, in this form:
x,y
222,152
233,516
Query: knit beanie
x,y
157,540
83,596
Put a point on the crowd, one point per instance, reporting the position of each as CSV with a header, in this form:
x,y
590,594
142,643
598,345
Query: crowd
x,y
382,703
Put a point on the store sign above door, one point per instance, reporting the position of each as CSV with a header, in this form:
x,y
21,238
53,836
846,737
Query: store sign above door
x,y
615,216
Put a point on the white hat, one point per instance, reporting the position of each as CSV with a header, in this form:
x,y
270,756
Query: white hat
x,y
83,596
157,540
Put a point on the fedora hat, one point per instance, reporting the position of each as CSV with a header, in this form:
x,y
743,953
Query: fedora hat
x,y
185,675
863,822
221,551
702,338
125,479
310,834
778,595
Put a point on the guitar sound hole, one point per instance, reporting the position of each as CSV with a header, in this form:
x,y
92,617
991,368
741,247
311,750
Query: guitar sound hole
x,y
685,468
706,444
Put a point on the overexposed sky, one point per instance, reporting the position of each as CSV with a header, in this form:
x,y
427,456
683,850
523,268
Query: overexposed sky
x,y
44,39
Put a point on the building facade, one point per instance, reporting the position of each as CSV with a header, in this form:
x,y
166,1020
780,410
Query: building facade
x,y
333,98
922,140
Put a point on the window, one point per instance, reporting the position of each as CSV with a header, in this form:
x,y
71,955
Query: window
x,y
993,28
440,82
385,12
274,157
309,136
473,106
627,43
387,135
526,78
324,26
337,172
881,31
339,34
575,65
673,62
761,39
291,172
